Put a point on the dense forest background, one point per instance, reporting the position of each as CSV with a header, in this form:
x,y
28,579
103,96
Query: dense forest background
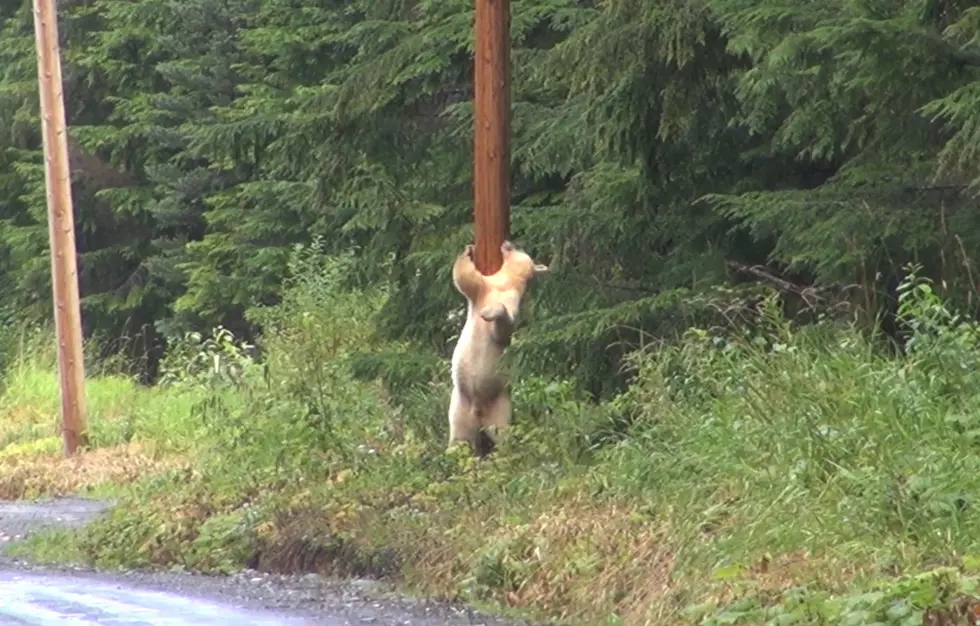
x,y
300,173
660,148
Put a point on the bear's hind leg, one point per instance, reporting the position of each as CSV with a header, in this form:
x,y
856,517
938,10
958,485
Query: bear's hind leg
x,y
462,421
484,444
497,412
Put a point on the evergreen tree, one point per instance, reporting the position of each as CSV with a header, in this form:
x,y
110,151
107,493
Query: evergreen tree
x,y
657,145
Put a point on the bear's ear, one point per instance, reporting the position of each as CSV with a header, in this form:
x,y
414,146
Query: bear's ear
x,y
506,247
540,269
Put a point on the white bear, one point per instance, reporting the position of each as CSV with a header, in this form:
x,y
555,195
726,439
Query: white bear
x,y
480,395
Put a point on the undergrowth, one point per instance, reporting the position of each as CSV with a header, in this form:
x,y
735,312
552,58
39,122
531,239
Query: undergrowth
x,y
776,473
132,430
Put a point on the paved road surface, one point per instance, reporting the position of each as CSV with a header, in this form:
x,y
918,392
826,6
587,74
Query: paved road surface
x,y
48,600
73,596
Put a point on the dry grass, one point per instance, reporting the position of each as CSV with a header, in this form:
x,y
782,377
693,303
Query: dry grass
x,y
582,561
576,559
43,473
587,558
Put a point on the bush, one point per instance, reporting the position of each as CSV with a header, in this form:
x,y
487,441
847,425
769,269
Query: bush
x,y
778,473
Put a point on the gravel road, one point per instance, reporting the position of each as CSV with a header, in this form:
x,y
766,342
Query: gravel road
x,y
33,594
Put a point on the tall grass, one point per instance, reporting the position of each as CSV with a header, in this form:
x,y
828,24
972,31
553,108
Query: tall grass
x,y
747,474
131,426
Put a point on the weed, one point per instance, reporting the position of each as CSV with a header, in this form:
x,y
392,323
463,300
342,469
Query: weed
x,y
773,474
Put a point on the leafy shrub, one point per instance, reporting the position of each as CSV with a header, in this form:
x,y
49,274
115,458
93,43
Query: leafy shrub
x,y
941,596
781,471
208,362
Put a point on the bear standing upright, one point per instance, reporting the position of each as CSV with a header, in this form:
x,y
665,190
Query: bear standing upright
x,y
480,395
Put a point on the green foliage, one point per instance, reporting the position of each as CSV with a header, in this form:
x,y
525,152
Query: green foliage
x,y
903,602
301,172
848,443
50,547
119,410
739,445
653,142
212,362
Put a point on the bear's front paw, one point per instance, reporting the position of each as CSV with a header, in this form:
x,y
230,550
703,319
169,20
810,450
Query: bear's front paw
x,y
493,312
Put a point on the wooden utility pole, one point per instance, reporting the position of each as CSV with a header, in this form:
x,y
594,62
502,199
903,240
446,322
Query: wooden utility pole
x,y
491,172
61,227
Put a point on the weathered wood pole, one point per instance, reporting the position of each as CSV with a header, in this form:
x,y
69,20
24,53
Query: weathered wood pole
x,y
61,227
491,142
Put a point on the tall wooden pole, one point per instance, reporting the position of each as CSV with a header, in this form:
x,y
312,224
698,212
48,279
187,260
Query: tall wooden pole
x,y
491,144
61,227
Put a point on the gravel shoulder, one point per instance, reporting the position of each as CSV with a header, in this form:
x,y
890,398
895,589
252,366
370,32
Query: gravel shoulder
x,y
312,598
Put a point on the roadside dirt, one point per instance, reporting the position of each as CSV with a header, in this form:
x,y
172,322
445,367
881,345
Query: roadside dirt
x,y
36,594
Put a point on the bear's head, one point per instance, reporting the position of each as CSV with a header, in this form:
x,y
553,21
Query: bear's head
x,y
518,268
